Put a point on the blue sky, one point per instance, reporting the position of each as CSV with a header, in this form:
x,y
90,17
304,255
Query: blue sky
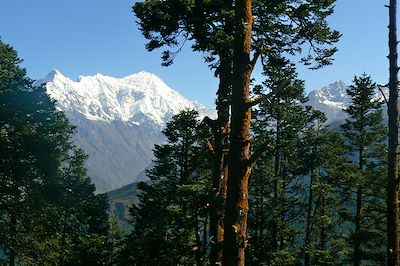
x,y
85,37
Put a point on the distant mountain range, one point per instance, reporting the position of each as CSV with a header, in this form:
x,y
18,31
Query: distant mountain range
x,y
333,99
120,119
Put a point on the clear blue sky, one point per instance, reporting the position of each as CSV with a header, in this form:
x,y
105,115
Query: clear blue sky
x,y
85,37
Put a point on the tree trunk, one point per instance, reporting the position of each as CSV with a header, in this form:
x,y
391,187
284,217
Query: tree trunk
x,y
276,202
199,247
323,234
258,246
277,196
13,233
308,226
221,143
392,182
220,171
274,229
357,234
64,216
235,234
205,234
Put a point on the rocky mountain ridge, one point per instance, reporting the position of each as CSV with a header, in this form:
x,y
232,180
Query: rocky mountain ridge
x,y
118,120
333,99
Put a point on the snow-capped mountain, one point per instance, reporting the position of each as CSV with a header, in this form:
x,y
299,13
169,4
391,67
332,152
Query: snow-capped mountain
x,y
332,99
134,99
118,120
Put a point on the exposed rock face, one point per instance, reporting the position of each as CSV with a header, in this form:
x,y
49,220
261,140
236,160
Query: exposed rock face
x,y
118,121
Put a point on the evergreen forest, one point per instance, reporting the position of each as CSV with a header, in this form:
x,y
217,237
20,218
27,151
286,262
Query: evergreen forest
x,y
268,181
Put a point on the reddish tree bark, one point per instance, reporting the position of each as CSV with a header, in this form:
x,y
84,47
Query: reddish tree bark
x,y
237,206
220,167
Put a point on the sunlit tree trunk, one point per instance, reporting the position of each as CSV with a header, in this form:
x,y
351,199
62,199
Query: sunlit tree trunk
x,y
235,233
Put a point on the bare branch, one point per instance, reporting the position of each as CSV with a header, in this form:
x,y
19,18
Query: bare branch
x,y
259,51
384,96
211,123
265,97
257,99
210,147
256,55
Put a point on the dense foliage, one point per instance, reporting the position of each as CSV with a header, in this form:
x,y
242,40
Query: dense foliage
x,y
304,193
365,136
171,222
304,190
49,214
234,36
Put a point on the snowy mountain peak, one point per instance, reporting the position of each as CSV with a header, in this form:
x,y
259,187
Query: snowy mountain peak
x,y
333,99
135,99
53,75
334,95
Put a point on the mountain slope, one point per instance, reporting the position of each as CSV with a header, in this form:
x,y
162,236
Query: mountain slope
x,y
332,99
121,199
138,98
118,120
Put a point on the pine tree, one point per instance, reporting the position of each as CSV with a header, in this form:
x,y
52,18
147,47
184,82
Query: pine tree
x,y
170,23
48,210
364,131
327,173
27,152
83,217
170,221
116,242
296,187
209,24
280,122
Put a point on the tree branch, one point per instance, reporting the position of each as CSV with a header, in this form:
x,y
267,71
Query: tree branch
x,y
210,147
211,123
384,96
257,99
258,52
264,97
259,151
256,55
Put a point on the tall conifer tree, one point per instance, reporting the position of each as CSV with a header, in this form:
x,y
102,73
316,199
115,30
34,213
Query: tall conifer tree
x,y
167,23
364,132
277,178
170,221
48,210
327,173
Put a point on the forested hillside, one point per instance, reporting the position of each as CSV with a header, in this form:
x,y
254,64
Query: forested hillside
x,y
49,214
268,181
